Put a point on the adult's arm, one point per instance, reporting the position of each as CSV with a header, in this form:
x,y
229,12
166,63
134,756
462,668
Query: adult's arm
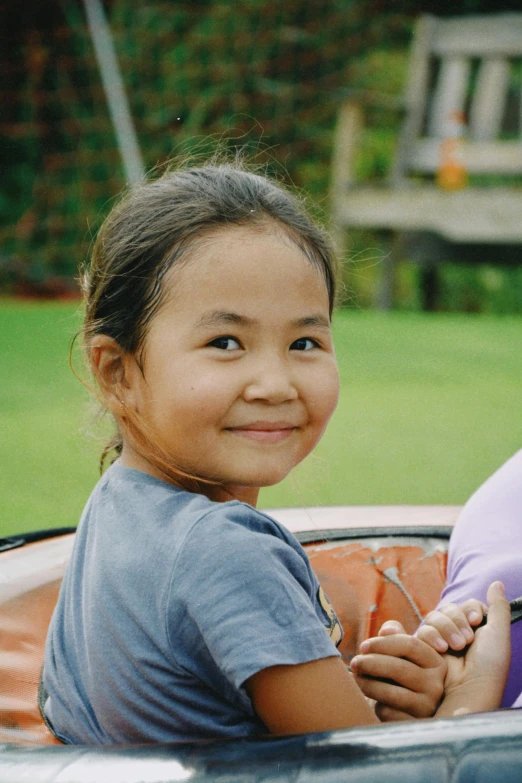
x,y
486,545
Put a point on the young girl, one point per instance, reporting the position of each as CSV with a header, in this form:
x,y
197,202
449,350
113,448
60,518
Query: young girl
x,y
185,613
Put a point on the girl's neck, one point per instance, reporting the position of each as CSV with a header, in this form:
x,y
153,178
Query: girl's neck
x,y
222,494
219,494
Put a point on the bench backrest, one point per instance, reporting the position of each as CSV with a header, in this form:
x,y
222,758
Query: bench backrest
x,y
464,69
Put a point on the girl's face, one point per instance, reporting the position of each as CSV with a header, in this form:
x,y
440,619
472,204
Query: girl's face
x,y
239,373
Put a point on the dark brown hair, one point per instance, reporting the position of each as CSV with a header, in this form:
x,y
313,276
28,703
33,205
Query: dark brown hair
x,y
155,225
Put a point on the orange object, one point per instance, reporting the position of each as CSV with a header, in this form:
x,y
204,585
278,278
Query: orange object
x,y
371,580
31,578
452,173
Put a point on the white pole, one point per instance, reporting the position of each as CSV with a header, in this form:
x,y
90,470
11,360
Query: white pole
x,y
115,92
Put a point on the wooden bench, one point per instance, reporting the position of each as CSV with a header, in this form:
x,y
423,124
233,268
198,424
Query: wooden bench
x,y
465,89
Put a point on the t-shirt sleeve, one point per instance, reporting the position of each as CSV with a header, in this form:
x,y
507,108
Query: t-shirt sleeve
x,y
249,595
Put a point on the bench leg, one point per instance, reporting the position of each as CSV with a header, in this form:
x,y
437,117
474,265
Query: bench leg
x,y
386,289
430,286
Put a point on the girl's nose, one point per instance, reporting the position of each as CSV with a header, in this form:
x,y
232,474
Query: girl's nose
x,y
272,383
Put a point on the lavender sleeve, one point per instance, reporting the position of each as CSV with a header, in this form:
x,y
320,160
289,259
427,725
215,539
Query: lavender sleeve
x,y
486,545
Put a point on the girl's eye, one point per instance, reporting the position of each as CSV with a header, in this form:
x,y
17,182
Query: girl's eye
x,y
304,344
225,343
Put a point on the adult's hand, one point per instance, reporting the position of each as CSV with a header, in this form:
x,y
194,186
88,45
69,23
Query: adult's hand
x,y
475,681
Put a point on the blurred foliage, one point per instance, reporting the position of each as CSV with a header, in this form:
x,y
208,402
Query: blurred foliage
x,y
256,74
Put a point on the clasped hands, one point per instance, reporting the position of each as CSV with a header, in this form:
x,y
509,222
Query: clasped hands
x,y
418,677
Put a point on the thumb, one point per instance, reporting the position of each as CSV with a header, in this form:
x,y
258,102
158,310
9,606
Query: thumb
x,y
391,627
499,611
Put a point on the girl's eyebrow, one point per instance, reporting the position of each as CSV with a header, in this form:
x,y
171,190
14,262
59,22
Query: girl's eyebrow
x,y
319,320
218,318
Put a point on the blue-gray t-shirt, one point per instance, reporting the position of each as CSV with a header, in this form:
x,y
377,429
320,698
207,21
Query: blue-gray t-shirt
x,y
170,602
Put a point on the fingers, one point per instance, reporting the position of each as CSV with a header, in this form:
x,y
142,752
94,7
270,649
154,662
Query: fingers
x,y
499,611
401,673
388,669
388,714
450,626
474,611
401,646
478,678
431,636
413,691
391,627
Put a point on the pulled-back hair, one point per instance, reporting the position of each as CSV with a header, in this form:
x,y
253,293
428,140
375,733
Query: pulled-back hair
x,y
156,224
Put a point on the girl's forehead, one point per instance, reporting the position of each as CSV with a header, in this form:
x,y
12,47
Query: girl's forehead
x,y
249,252
256,236
245,266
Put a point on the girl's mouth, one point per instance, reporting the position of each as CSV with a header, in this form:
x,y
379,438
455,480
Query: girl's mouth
x,y
265,432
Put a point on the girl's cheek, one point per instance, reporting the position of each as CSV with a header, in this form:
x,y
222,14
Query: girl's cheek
x,y
326,394
332,385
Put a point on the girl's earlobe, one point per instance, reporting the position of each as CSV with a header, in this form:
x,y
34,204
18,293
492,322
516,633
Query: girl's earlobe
x,y
108,361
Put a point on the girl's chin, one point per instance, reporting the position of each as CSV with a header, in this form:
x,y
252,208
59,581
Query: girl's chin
x,y
245,486
254,484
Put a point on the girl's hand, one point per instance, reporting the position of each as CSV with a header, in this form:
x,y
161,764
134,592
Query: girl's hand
x,y
451,627
475,681
404,675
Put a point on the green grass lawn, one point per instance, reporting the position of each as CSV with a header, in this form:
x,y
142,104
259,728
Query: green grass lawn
x,y
430,406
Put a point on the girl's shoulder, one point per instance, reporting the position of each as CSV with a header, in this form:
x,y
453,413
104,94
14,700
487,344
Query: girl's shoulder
x,y
235,521
235,549
131,497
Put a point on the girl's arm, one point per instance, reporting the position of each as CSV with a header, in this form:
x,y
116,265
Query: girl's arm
x,y
323,695
316,696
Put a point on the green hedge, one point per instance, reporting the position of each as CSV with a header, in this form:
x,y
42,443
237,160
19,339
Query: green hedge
x,y
258,74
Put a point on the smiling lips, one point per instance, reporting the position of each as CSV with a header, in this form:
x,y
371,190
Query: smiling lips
x,y
265,431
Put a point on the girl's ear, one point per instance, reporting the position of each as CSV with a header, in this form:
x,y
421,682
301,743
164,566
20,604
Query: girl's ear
x,y
112,368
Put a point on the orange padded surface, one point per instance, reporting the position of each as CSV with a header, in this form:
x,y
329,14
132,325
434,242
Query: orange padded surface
x,y
368,581
372,580
30,578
